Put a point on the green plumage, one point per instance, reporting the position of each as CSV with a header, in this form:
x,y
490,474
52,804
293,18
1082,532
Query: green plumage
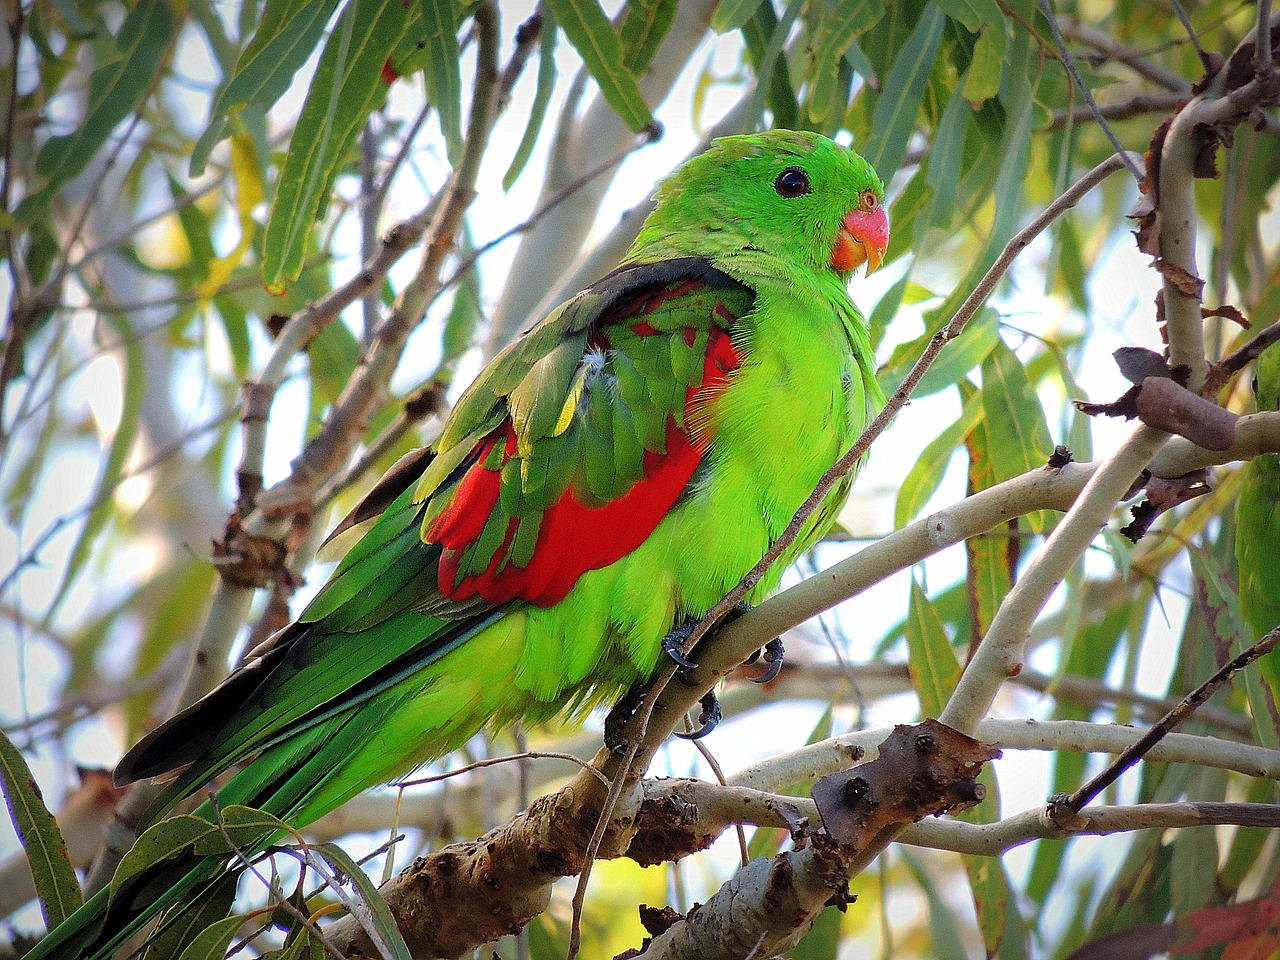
x,y
1258,526
614,471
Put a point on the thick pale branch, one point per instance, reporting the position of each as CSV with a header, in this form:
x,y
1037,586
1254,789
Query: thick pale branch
x,y
1076,736
1001,652
993,839
1209,116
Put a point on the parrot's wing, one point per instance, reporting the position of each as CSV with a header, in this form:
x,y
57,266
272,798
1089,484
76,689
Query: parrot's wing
x,y
568,450
561,458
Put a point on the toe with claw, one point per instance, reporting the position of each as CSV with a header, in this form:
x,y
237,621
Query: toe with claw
x,y
774,653
708,719
673,644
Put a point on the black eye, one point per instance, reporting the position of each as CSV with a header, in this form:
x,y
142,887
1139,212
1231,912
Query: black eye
x,y
1254,384
792,182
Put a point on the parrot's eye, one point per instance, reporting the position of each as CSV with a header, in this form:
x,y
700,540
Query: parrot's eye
x,y
868,201
1254,384
792,182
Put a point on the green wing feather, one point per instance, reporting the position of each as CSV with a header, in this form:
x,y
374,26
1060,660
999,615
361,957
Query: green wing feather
x,y
1258,526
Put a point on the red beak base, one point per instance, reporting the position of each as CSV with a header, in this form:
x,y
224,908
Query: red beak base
x,y
864,238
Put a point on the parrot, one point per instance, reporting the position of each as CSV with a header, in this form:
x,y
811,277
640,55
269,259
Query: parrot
x,y
609,476
1258,527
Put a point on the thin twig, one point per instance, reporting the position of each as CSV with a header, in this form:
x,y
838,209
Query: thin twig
x,y
1135,106
1170,721
645,138
281,901
1113,49
714,764
1067,62
1262,55
508,758
1186,25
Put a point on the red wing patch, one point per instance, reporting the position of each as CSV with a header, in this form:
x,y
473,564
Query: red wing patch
x,y
572,538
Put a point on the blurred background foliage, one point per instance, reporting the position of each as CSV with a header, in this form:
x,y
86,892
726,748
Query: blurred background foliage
x,y
187,185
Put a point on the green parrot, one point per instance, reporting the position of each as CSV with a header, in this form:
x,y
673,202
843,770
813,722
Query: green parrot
x,y
1258,526
609,476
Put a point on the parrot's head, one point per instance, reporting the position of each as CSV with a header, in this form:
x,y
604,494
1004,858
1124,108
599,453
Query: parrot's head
x,y
797,197
1266,378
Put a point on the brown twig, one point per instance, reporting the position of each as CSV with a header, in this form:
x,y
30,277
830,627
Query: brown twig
x,y
1170,721
1065,56
507,758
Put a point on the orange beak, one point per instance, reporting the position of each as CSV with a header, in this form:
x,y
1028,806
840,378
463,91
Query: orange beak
x,y
864,238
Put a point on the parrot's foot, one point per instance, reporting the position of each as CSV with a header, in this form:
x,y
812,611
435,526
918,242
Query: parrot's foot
x,y
615,736
708,719
673,644
773,654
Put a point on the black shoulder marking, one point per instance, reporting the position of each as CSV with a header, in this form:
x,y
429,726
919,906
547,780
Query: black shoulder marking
x,y
638,276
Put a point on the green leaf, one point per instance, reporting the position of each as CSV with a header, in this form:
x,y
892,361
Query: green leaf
x,y
464,317
1015,421
960,356
766,37
334,354
51,869
903,92
945,159
116,89
822,942
191,835
593,36
541,100
383,920
836,30
933,665
732,14
923,480
286,36
944,925
444,71
212,942
982,79
185,923
347,87
643,28
974,14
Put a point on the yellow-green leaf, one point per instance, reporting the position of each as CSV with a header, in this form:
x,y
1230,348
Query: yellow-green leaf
x,y
732,14
541,100
116,89
212,942
933,665
643,28
55,877
836,31
382,918
443,73
593,36
287,34
923,480
347,87
894,119
1015,421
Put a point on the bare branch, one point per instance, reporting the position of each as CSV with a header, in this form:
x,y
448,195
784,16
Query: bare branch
x,y
994,839
1171,720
